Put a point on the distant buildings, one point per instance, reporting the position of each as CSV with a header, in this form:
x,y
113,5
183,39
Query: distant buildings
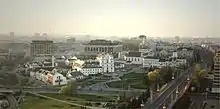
x,y
41,48
216,80
70,40
102,46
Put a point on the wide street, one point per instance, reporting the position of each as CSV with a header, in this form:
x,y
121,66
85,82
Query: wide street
x,y
160,100
198,99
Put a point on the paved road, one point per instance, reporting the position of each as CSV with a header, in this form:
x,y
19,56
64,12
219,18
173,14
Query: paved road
x,y
198,98
164,95
180,81
115,92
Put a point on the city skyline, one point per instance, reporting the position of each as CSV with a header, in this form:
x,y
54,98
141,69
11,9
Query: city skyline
x,y
112,18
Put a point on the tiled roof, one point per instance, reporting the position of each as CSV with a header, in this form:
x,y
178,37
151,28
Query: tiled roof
x,y
76,73
102,42
134,54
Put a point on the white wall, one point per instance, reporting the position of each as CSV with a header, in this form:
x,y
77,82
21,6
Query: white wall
x,y
91,71
59,76
156,62
147,62
107,63
135,60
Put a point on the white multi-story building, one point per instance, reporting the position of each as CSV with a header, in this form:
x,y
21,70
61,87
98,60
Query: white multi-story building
x,y
155,62
107,63
148,62
134,57
216,71
91,70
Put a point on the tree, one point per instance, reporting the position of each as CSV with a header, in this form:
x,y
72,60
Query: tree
x,y
166,73
153,80
69,89
199,78
142,37
152,76
9,79
198,68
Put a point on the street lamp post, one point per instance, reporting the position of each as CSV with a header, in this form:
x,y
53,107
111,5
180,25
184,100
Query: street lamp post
x,y
164,107
123,85
173,76
177,92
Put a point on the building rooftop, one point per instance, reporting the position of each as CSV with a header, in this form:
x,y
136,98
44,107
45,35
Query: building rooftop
x,y
134,54
92,65
76,73
87,57
42,41
151,57
102,42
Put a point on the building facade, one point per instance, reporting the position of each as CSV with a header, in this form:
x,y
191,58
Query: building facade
x,y
107,63
41,48
155,62
216,79
52,77
103,46
91,70
135,57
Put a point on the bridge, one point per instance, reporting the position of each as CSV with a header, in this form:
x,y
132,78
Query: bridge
x,y
174,91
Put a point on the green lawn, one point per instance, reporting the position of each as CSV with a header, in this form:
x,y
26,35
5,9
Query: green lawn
x,y
41,103
135,80
82,97
98,79
90,82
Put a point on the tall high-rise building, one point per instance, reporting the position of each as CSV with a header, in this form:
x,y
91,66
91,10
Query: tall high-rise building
x,y
37,34
11,34
216,80
41,48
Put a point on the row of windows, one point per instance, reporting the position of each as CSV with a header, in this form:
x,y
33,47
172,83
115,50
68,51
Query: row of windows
x,y
91,72
99,49
92,69
133,59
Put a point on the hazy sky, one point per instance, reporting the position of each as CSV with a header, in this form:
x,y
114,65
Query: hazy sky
x,y
112,17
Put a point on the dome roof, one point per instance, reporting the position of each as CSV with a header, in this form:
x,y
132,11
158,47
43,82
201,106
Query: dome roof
x,y
63,57
67,62
73,58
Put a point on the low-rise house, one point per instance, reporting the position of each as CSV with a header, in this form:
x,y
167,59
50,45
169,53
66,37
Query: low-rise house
x,y
74,74
56,79
135,57
49,76
119,65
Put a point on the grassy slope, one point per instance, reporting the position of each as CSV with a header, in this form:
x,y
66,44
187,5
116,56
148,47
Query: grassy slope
x,y
39,103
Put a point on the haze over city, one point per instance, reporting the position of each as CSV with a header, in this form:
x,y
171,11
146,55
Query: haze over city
x,y
164,18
